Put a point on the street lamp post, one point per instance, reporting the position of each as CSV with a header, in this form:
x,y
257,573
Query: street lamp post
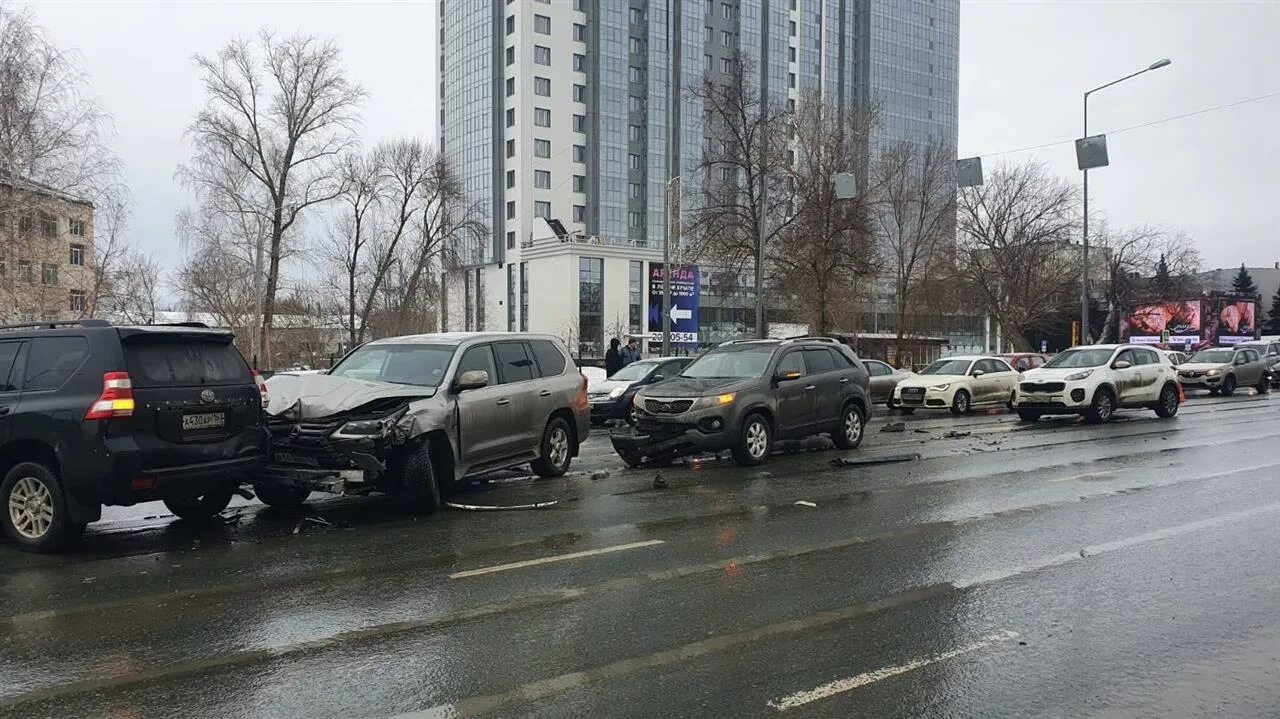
x,y
1085,334
673,236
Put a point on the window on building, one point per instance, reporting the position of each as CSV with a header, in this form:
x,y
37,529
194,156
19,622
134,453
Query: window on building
x,y
79,301
542,148
637,46
524,296
511,117
708,61
511,240
26,271
709,34
726,174
637,16
793,28
76,227
636,74
791,79
635,219
579,183
579,62
511,298
580,123
511,179
48,273
635,133
511,86
726,10
726,38
511,209
542,117
542,24
637,191
48,226
635,162
635,103
726,65
480,299
579,213
791,54
579,93
511,24
542,179
541,55
542,86
791,105
635,296
77,255
579,32
511,56
25,223
542,209
591,306
579,153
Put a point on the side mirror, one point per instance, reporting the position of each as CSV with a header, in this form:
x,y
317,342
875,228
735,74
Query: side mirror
x,y
657,378
471,379
785,376
1121,364
977,373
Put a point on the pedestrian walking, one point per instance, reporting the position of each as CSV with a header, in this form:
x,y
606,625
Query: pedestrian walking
x,y
631,352
612,358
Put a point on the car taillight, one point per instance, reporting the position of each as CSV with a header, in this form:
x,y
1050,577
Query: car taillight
x,y
116,399
582,393
262,384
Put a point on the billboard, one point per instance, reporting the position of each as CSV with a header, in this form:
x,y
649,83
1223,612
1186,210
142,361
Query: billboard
x,y
1235,321
684,304
1180,319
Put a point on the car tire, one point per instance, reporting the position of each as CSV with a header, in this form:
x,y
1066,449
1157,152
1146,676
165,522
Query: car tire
x,y
555,451
418,487
1167,402
907,410
961,403
755,441
1029,415
41,523
853,427
633,415
200,507
1229,385
630,457
1102,407
1013,396
281,496
1264,385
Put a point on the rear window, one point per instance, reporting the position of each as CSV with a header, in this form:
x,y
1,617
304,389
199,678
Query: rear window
x,y
514,364
53,360
550,359
819,361
184,363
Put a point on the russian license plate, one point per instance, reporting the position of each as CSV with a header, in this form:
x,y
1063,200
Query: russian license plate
x,y
211,420
290,458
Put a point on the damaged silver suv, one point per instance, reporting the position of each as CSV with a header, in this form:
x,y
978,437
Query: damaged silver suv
x,y
413,415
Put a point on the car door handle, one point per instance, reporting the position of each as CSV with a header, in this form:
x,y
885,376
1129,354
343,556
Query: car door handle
x,y
504,400
809,387
545,393
844,380
4,411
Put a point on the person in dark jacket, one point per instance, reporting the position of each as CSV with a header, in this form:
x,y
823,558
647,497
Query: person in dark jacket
x,y
612,358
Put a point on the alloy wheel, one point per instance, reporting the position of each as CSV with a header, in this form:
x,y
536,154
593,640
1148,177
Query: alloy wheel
x,y
31,507
757,439
559,447
853,426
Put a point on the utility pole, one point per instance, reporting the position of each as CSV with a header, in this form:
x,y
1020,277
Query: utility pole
x,y
673,236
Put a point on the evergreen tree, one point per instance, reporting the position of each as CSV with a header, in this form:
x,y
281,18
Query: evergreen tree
x,y
1162,283
1273,316
1243,283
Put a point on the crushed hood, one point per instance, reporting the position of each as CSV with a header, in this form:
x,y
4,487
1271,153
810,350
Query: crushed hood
x,y
322,395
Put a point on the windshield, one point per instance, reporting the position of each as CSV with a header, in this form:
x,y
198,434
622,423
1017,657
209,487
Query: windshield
x,y
634,371
948,366
1212,356
414,364
1079,358
730,364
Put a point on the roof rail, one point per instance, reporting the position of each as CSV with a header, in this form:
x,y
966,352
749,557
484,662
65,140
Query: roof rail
x,y
814,338
183,324
56,324
743,342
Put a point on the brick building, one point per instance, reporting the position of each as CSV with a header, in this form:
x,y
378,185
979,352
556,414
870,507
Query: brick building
x,y
46,254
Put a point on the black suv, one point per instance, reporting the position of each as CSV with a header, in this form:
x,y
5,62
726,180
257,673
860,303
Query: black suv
x,y
743,395
94,414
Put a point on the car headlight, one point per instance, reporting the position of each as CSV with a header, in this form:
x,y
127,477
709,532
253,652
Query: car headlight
x,y
370,428
1078,376
617,392
940,387
718,400
1213,373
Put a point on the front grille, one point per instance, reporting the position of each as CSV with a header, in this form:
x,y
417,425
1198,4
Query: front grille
x,y
1043,387
661,430
913,395
1191,373
307,443
667,406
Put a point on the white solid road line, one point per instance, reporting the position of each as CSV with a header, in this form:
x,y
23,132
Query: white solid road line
x,y
830,689
556,558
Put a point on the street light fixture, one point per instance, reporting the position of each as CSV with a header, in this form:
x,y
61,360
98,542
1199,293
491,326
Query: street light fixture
x,y
1084,270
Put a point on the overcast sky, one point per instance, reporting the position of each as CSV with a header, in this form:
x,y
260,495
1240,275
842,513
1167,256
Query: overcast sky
x,y
1023,68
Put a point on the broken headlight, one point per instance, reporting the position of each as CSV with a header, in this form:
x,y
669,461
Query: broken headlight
x,y
369,428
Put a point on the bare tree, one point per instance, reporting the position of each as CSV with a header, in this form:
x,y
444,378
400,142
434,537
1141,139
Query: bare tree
x,y
1134,258
136,289
277,116
827,243
1015,241
742,177
914,216
356,223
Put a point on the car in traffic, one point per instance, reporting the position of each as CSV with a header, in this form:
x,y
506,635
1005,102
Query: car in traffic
x,y
1174,356
958,384
884,377
1222,370
93,414
744,395
1095,380
611,398
1270,351
1023,361
413,416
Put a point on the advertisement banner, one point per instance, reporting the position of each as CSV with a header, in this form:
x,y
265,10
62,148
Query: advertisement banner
x,y
684,304
1235,321
1173,323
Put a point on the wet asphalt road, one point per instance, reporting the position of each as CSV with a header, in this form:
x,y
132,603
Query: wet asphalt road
x,y
1048,570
